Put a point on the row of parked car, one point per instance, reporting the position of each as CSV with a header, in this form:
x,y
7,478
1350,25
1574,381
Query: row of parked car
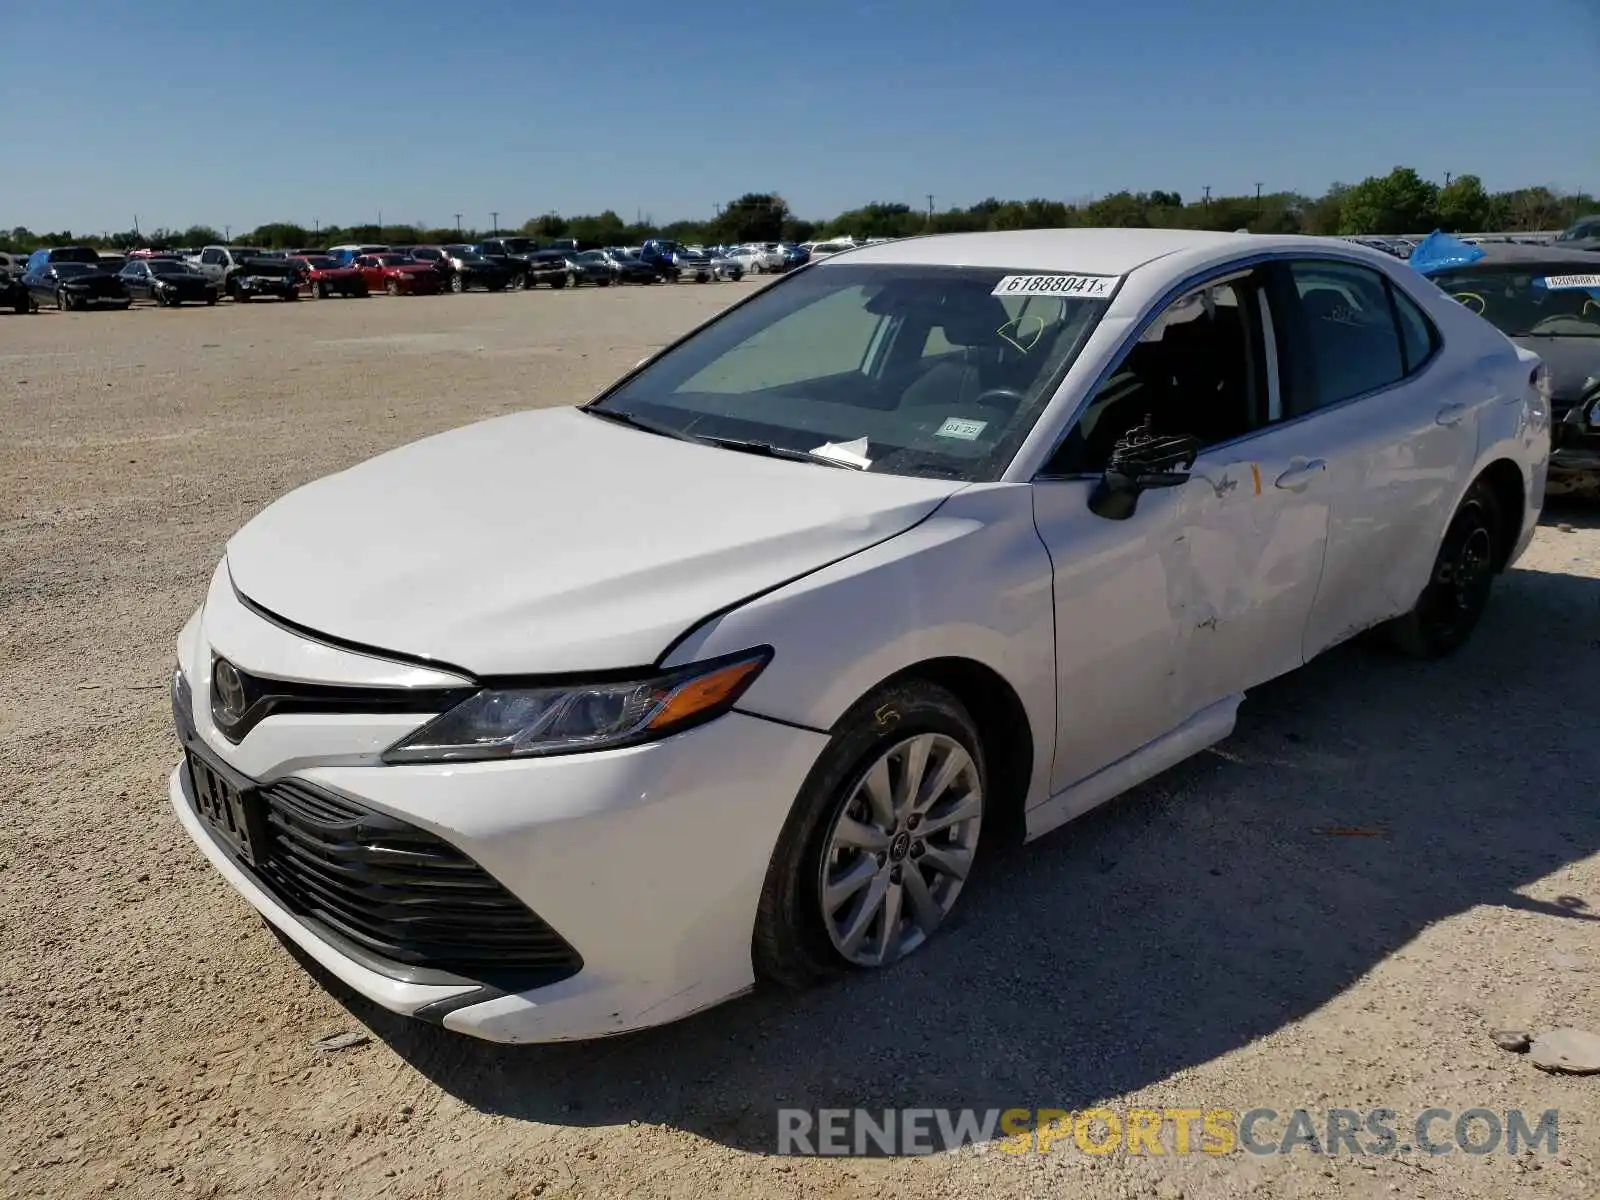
x,y
71,277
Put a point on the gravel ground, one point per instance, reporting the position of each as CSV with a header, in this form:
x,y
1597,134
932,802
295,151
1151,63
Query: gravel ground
x,y
1204,941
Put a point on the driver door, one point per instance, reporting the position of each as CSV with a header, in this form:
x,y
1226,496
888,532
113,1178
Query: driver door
x,y
1207,587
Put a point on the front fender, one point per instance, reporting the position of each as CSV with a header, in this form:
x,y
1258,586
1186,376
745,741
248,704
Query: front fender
x,y
972,581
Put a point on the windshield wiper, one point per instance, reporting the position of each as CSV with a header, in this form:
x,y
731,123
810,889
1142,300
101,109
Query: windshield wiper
x,y
771,451
741,445
633,422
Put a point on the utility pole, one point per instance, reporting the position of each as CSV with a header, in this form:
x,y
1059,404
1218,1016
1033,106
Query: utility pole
x,y
227,233
316,229
1258,199
1208,195
135,224
495,218
380,222
930,208
458,223
1447,179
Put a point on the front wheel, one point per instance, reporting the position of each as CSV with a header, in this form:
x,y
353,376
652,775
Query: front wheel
x,y
880,841
319,290
457,284
63,300
1458,590
392,287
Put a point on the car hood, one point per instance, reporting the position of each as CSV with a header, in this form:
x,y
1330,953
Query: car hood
x,y
554,541
1572,362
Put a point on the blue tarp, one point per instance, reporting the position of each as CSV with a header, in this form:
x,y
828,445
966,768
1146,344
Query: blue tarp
x,y
1439,252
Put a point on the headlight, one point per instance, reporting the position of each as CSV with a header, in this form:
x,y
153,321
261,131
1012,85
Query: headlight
x,y
500,723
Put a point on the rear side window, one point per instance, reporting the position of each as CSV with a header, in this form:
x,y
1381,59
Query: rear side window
x,y
1350,333
1418,338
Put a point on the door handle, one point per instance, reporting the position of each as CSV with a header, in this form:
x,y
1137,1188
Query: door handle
x,y
1298,478
1451,414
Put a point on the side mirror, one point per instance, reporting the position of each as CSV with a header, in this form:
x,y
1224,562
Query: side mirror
x,y
1141,461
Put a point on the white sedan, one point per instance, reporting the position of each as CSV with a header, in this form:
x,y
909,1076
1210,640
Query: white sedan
x,y
580,720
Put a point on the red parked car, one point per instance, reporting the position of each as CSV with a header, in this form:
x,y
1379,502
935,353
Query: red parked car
x,y
397,274
322,277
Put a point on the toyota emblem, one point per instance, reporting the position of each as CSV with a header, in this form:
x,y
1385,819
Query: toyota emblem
x,y
229,685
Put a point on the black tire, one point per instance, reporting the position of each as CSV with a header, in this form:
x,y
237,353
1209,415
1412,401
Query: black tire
x,y
63,300
790,945
557,282
21,307
391,286
295,295
457,284
1458,589
319,290
211,301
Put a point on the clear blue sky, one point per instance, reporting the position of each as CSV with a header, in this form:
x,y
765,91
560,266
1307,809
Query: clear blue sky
x,y
184,111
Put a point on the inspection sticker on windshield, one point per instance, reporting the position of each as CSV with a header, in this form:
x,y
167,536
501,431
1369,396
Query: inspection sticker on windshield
x,y
1085,287
1558,282
961,427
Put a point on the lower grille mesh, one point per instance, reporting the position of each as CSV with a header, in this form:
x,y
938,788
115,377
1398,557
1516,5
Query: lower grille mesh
x,y
399,892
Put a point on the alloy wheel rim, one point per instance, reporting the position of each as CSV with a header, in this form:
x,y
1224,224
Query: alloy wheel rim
x,y
900,849
1464,573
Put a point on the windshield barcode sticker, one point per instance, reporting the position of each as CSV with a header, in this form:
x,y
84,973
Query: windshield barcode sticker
x,y
1557,282
1083,287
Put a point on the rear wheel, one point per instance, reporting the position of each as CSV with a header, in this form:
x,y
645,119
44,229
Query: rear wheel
x,y
880,841
457,284
319,290
1458,590
63,300
392,286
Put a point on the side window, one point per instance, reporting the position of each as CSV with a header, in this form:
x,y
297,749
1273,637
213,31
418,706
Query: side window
x,y
1196,371
1418,338
211,257
1349,333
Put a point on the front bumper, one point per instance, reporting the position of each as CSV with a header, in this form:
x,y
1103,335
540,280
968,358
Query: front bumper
x,y
648,862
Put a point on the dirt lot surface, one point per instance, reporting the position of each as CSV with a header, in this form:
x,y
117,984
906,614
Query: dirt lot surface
x,y
1205,941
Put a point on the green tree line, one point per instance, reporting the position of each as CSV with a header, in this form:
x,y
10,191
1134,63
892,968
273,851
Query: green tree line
x,y
1400,202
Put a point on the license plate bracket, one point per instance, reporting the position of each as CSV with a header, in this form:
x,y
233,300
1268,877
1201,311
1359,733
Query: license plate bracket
x,y
235,817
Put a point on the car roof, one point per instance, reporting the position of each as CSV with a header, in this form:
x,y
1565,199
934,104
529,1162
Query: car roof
x,y
1090,251
1516,252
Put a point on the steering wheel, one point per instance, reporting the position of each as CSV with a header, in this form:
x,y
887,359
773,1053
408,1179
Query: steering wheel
x,y
1015,395
1539,325
1462,298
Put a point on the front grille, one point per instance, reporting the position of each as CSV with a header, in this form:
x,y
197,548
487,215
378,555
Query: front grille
x,y
401,894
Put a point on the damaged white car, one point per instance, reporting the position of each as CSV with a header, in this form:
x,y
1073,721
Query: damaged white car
x,y
581,720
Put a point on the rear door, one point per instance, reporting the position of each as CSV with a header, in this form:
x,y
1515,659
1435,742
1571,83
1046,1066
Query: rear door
x,y
1401,430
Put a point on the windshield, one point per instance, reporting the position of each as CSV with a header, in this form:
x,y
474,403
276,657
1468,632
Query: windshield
x,y
74,268
320,262
169,266
247,252
939,375
519,245
392,260
591,256
1530,300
